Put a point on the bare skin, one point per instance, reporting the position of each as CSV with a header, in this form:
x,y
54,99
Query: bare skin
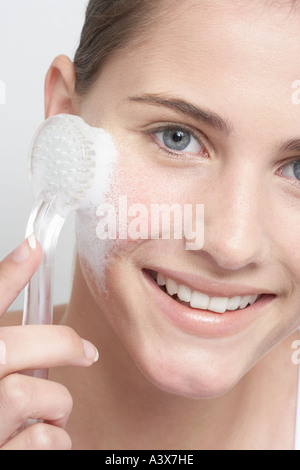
x,y
158,386
52,401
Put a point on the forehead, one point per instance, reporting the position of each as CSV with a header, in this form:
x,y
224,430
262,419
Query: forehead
x,y
222,51
231,35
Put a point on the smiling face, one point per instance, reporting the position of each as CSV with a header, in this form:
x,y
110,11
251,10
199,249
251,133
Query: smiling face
x,y
202,113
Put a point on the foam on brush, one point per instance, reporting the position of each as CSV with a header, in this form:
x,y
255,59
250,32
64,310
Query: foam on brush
x,y
70,165
63,161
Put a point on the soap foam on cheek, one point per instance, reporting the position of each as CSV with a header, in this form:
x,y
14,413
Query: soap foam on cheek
x,y
93,252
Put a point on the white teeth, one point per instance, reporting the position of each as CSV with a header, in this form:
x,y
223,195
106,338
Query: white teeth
x,y
161,280
245,300
184,293
203,301
199,300
234,303
218,304
171,286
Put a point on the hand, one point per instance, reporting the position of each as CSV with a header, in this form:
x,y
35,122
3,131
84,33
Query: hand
x,y
34,347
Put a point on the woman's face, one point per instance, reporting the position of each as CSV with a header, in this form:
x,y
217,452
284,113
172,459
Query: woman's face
x,y
203,112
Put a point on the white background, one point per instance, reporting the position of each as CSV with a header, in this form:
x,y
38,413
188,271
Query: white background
x,y
32,33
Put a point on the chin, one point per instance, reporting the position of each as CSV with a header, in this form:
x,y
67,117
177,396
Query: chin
x,y
191,375
171,359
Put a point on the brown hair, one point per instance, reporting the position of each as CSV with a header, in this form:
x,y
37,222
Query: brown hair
x,y
109,26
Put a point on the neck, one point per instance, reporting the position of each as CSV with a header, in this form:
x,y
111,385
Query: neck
x,y
116,407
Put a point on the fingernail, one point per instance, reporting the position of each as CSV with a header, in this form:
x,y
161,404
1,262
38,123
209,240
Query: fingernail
x,y
23,252
2,353
32,242
90,351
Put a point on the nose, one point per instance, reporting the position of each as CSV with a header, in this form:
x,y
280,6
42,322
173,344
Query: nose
x,y
236,221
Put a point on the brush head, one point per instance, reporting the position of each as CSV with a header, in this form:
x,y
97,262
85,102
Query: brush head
x,y
63,162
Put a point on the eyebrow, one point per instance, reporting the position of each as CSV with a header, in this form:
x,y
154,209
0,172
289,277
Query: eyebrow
x,y
292,145
184,107
203,115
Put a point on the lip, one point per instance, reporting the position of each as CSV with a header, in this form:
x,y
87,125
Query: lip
x,y
209,287
204,323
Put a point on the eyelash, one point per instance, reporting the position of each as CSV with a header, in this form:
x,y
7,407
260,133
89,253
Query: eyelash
x,y
178,127
292,180
199,138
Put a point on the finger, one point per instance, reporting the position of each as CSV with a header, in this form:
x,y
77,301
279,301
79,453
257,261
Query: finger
x,y
40,436
43,347
16,270
23,398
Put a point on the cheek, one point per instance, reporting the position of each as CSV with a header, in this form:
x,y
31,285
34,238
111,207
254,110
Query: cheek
x,y
114,229
285,239
102,223
144,184
145,190
106,230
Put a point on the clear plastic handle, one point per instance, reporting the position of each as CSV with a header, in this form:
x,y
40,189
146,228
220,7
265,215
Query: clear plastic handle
x,y
38,301
38,297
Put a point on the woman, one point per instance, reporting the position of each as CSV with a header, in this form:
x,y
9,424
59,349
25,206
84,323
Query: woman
x,y
198,98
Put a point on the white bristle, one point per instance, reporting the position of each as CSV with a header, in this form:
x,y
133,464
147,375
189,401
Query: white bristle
x,y
63,161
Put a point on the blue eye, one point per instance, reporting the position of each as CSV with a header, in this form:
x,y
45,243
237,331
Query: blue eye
x,y
179,140
292,170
